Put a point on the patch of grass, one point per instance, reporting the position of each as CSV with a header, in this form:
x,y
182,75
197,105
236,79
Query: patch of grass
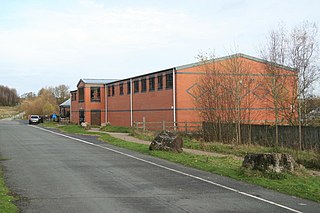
x,y
146,136
308,159
121,129
301,185
7,111
73,129
6,201
49,124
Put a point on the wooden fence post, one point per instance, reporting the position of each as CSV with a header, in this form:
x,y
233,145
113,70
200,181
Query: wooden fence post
x,y
144,124
163,125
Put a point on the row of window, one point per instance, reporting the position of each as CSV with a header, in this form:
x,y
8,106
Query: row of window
x,y
94,94
137,84
141,85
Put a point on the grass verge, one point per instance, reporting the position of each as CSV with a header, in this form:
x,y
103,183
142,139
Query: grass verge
x,y
6,201
309,159
121,129
301,185
8,111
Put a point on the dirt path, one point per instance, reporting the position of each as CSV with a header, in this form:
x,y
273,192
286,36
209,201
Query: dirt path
x,y
127,137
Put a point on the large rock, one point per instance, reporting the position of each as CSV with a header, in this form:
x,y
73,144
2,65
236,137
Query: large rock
x,y
275,162
167,141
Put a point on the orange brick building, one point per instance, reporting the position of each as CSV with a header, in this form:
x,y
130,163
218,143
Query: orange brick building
x,y
170,95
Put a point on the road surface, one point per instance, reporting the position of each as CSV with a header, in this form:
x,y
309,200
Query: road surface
x,y
58,173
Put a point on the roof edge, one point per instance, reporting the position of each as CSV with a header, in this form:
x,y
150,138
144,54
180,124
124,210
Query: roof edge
x,y
234,56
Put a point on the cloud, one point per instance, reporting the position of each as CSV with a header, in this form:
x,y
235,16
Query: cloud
x,y
51,36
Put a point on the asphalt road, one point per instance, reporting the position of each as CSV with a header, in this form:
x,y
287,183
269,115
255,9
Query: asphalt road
x,y
55,173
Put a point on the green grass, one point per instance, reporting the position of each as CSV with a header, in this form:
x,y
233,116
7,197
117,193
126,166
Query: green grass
x,y
7,111
6,200
121,129
301,184
308,159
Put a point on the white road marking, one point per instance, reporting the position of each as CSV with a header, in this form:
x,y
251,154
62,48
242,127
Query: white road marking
x,y
173,170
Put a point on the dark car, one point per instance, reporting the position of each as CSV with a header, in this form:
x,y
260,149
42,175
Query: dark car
x,y
34,119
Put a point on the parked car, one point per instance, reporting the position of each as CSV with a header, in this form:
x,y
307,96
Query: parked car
x,y
34,119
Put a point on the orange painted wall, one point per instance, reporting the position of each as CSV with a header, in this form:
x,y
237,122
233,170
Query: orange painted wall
x,y
157,105
260,108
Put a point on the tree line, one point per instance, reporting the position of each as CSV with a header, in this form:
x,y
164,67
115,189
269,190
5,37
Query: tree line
x,y
46,101
8,96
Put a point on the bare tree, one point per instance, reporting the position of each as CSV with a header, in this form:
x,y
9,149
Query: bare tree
x,y
280,98
8,96
297,49
61,92
304,57
222,94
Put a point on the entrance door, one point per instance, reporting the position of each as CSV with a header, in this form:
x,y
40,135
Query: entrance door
x,y
96,117
81,116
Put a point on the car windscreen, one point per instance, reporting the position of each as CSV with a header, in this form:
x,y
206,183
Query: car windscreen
x,y
34,116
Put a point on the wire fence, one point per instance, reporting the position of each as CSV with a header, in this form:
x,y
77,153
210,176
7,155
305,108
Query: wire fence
x,y
264,135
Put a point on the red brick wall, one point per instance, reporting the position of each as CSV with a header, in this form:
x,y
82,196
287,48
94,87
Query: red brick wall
x,y
153,105
157,105
87,105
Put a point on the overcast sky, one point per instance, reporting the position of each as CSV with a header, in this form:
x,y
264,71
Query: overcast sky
x,y
51,42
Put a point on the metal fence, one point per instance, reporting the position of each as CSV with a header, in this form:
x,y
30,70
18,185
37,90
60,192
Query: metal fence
x,y
264,135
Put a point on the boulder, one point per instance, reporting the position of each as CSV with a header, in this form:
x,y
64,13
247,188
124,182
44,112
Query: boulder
x,y
167,141
275,162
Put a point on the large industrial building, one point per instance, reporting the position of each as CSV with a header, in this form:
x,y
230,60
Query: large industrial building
x,y
170,95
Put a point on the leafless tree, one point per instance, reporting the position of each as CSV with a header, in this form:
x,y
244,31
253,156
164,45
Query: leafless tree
x,y
297,49
8,96
275,53
222,96
303,48
61,92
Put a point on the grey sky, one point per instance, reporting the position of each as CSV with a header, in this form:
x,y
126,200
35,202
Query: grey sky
x,y
47,43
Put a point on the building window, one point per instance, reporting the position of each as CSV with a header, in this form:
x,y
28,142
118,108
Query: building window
x,y
151,83
136,86
121,88
160,82
81,94
95,94
143,85
112,90
73,96
109,90
169,80
128,87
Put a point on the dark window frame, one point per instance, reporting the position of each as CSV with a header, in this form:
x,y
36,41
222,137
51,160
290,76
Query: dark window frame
x,y
169,80
92,90
81,94
121,89
112,90
109,91
136,86
151,83
143,85
73,96
160,82
128,87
